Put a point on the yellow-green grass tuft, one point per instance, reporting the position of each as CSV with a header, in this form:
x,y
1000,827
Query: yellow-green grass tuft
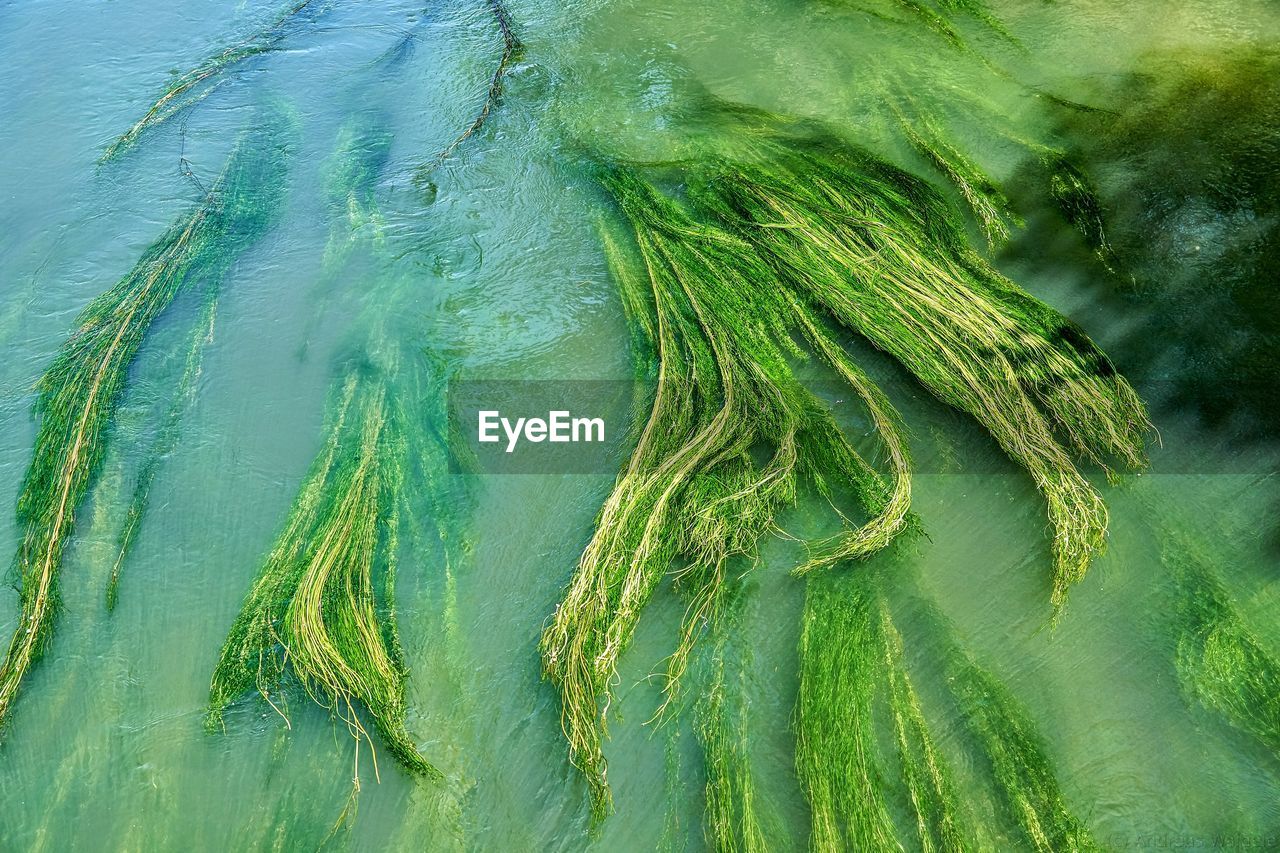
x,y
322,608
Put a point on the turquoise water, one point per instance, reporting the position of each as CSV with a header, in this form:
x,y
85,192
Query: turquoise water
x,y
497,270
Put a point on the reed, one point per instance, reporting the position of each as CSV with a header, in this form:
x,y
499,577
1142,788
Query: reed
x,y
197,83
80,391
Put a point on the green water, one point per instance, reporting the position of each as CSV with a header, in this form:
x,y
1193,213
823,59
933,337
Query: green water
x,y
498,272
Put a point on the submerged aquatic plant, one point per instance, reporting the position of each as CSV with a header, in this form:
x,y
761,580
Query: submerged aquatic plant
x,y
1220,661
1022,772
321,612
774,242
852,670
879,251
983,197
941,821
323,606
193,85
79,393
841,670
734,819
166,440
511,48
730,433
351,176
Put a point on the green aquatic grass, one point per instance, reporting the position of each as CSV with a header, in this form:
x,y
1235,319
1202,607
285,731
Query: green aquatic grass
x,y
856,697
986,200
733,814
880,252
193,85
351,176
774,241
81,390
938,17
841,671
1021,770
940,816
323,608
854,689
1220,661
511,50
165,442
1077,199
730,433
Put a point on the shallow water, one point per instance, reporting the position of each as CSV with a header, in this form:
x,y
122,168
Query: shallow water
x,y
498,271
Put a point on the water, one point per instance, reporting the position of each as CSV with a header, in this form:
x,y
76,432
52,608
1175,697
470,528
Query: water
x,y
499,272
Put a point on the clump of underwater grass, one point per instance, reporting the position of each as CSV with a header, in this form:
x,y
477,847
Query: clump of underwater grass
x,y
1022,773
851,671
722,320
511,49
937,17
189,87
80,391
351,176
1077,200
941,823
979,192
841,669
1219,660
316,609
881,253
852,668
730,432
770,242
733,820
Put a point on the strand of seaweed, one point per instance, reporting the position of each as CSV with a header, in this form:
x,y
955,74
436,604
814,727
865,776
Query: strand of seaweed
x,y
164,443
795,232
511,50
80,391
189,87
351,175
